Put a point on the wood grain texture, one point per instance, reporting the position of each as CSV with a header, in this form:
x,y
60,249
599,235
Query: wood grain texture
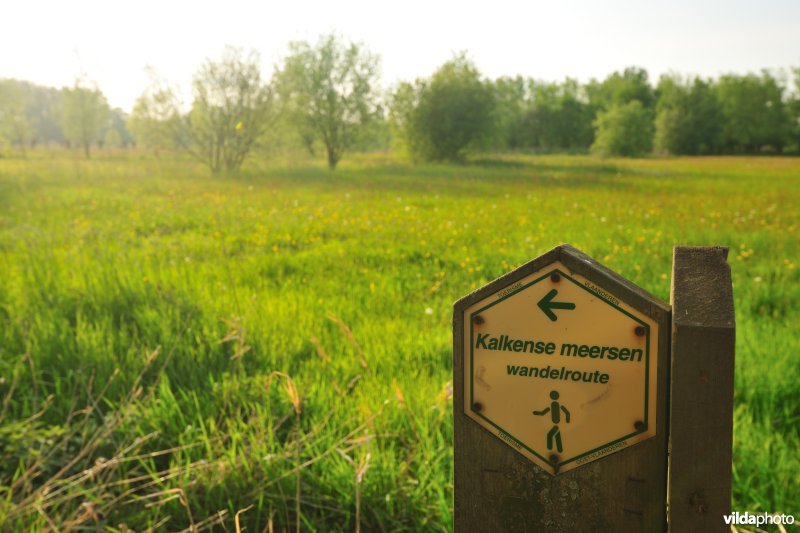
x,y
497,489
701,397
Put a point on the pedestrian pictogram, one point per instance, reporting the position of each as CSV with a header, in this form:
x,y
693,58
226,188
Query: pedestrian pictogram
x,y
555,415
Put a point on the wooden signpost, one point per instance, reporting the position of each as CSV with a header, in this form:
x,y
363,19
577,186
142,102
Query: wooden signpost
x,y
561,399
701,395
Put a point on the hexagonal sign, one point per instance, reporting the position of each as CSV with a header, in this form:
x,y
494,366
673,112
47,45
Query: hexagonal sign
x,y
558,365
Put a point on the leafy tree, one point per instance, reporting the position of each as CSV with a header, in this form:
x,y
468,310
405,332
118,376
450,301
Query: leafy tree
x,y
560,118
156,121
112,139
447,116
402,117
624,118
330,91
619,88
44,113
84,114
231,110
688,117
42,109
118,122
512,100
14,123
794,110
755,116
625,130
375,135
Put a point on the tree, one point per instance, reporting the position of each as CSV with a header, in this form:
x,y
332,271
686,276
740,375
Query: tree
x,y
231,110
84,113
688,117
794,109
512,101
156,121
619,88
447,116
625,130
403,120
755,115
112,139
14,124
42,111
330,90
560,117
118,123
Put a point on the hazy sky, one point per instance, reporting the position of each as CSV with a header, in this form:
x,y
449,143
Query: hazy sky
x,y
50,42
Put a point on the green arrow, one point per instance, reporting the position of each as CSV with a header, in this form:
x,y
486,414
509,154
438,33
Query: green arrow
x,y
547,305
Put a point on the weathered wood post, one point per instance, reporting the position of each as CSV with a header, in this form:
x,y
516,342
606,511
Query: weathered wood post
x,y
701,396
562,408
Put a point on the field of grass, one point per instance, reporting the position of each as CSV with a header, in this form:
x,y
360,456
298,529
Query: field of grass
x,y
180,350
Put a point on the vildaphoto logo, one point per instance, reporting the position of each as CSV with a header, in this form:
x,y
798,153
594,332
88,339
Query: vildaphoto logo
x,y
757,519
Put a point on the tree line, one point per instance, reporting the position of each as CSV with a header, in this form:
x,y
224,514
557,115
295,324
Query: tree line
x,y
326,97
79,116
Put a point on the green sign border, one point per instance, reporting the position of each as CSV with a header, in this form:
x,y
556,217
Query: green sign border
x,y
522,444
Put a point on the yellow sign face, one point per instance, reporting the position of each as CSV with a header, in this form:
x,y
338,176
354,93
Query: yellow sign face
x,y
560,369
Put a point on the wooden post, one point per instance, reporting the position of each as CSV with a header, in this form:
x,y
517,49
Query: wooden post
x,y
701,396
497,489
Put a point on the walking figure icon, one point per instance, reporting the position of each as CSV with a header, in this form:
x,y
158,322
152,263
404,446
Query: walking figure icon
x,y
555,415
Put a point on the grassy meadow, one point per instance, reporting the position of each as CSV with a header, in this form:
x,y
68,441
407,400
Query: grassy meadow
x,y
179,350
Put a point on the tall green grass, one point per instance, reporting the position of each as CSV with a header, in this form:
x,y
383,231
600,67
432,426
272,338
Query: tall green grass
x,y
146,306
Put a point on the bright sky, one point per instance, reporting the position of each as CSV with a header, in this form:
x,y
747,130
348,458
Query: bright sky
x,y
51,41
